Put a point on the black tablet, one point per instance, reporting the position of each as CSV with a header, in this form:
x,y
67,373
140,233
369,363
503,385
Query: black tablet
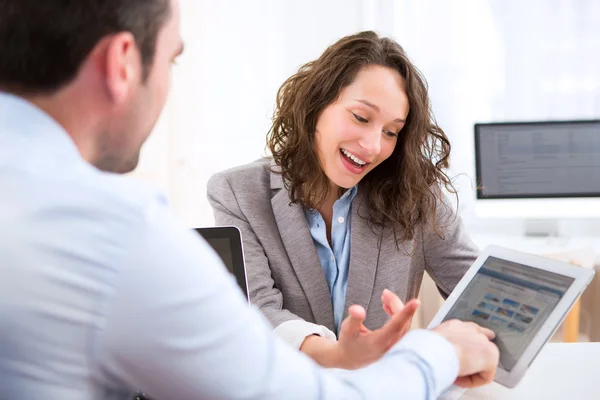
x,y
227,242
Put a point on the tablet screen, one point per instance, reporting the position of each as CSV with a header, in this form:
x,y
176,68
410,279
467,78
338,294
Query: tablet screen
x,y
223,248
511,299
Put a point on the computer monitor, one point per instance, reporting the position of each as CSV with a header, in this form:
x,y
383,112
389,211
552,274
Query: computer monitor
x,y
538,170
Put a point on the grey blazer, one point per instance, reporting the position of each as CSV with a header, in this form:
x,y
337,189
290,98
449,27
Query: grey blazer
x,y
285,278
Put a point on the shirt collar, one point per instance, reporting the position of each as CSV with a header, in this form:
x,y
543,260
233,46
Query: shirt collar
x,y
350,194
25,128
344,201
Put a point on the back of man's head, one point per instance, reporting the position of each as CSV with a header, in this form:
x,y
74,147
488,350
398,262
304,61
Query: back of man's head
x,y
100,68
44,42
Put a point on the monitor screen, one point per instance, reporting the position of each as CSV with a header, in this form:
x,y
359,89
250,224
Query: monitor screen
x,y
538,159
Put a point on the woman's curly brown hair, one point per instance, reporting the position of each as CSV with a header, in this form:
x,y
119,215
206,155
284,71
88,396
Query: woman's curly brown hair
x,y
403,190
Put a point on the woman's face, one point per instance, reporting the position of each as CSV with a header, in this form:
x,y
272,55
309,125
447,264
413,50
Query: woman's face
x,y
360,129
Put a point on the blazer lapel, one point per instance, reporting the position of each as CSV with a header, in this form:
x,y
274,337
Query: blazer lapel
x,y
364,257
300,248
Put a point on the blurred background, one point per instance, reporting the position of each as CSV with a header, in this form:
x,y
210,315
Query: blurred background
x,y
484,60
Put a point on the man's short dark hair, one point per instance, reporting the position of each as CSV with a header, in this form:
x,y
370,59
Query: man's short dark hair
x,y
43,43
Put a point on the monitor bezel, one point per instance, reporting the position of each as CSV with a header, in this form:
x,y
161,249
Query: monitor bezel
x,y
479,191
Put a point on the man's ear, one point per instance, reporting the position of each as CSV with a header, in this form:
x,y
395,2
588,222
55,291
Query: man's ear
x,y
123,66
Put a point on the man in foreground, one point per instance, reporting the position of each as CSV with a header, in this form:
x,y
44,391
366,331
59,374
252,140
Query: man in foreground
x,y
102,290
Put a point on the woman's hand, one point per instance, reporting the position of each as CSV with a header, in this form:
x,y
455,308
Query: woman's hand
x,y
358,346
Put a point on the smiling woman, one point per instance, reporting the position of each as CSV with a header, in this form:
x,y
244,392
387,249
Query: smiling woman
x,y
359,130
350,204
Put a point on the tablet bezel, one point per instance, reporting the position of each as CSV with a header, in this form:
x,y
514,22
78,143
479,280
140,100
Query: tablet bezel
x,y
582,277
237,250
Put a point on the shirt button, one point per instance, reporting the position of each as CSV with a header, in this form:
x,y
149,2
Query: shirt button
x,y
341,220
332,258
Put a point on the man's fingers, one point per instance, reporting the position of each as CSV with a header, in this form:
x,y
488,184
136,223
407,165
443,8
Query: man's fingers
x,y
485,362
468,381
484,331
487,332
482,378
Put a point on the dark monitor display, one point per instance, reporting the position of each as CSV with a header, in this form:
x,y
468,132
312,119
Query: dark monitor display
x,y
538,159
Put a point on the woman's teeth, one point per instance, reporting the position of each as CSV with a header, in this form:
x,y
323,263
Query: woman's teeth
x,y
356,160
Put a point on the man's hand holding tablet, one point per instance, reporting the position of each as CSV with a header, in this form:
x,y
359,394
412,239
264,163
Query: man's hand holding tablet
x,y
477,355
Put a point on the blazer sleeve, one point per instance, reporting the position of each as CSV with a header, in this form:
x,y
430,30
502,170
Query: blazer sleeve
x,y
447,258
261,287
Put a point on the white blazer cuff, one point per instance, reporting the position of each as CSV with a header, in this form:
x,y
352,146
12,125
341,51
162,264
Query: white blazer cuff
x,y
295,331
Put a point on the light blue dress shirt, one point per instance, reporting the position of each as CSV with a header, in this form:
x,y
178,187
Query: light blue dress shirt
x,y
334,261
103,291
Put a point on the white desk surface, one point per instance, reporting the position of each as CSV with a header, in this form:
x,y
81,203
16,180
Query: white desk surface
x,y
535,245
561,371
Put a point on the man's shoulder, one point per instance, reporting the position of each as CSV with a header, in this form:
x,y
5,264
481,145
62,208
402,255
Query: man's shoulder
x,y
113,198
129,190
122,190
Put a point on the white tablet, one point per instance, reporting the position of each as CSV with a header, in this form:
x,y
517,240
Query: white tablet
x,y
521,297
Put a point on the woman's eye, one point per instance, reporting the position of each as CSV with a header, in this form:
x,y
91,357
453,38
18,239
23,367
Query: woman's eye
x,y
360,119
391,134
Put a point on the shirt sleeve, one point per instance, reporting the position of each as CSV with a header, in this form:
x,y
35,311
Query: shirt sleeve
x,y
294,332
178,328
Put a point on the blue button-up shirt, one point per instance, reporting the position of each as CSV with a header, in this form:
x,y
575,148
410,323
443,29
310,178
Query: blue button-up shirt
x,y
335,259
103,291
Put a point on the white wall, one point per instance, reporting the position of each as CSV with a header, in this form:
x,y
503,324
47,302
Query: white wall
x,y
237,54
484,60
501,60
